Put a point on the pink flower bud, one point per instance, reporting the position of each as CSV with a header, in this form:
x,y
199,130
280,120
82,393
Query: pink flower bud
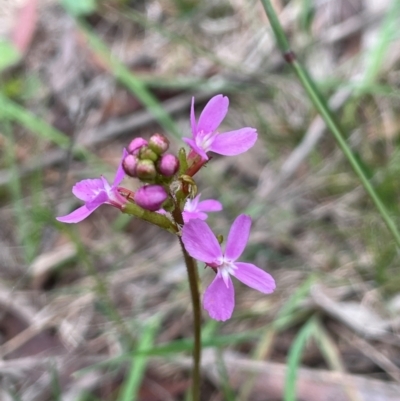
x,y
158,143
146,153
168,165
145,169
136,144
150,197
129,165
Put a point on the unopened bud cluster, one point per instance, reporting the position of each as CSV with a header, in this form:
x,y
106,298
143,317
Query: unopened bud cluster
x,y
149,162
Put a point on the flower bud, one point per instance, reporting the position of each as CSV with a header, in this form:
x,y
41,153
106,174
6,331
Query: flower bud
x,y
129,165
150,197
158,143
136,144
146,153
145,170
168,165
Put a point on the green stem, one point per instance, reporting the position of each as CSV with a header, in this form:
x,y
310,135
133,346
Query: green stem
x,y
326,114
152,217
193,276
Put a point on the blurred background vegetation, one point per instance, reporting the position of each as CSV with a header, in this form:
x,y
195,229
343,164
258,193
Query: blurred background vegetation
x,y
101,310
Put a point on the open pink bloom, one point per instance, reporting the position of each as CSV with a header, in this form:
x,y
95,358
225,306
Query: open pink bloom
x,y
96,192
206,137
201,243
196,210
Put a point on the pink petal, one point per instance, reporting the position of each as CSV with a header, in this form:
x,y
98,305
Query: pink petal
x,y
193,215
120,174
76,216
200,241
238,237
209,205
234,142
193,120
213,114
194,146
101,198
219,299
26,22
191,204
254,277
86,190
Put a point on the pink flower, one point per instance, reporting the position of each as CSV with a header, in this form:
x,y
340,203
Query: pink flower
x,y
196,210
201,244
206,138
96,192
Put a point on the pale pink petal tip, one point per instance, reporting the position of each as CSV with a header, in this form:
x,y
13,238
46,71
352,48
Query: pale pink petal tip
x,y
238,237
209,205
193,119
234,142
219,299
76,216
254,277
213,114
120,174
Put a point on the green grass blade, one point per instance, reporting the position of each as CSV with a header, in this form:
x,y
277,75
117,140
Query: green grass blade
x,y
377,54
323,109
288,315
294,359
14,112
333,358
9,54
285,314
17,113
55,384
174,347
132,384
227,389
328,348
14,395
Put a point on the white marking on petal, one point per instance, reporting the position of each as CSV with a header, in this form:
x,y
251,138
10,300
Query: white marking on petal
x,y
205,140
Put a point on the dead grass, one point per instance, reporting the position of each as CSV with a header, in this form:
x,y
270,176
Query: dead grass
x,y
85,294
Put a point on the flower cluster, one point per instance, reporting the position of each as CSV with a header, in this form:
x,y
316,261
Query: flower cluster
x,y
168,198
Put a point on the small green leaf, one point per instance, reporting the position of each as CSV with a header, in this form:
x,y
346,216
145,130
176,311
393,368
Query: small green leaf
x,y
81,7
9,55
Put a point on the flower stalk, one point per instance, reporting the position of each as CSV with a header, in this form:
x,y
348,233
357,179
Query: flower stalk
x,y
191,267
327,115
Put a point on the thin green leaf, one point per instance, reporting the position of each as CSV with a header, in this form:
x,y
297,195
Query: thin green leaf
x,y
15,112
81,7
131,386
377,55
327,115
227,389
9,54
177,346
328,348
285,314
294,359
